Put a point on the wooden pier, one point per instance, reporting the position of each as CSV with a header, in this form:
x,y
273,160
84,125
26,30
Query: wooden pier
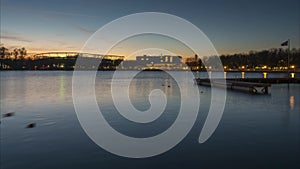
x,y
252,86
266,80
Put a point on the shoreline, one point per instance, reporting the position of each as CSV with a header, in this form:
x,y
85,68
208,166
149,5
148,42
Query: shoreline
x,y
158,70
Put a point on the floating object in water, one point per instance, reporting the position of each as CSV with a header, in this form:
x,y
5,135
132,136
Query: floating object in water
x,y
201,92
169,86
237,84
31,125
9,114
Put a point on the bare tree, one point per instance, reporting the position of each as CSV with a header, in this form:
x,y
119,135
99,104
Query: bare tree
x,y
15,53
3,52
22,53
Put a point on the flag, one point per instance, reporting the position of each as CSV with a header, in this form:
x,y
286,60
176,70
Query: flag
x,y
285,43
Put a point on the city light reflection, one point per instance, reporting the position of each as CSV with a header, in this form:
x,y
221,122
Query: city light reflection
x,y
292,102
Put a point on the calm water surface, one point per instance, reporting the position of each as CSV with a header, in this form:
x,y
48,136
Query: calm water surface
x,y
256,131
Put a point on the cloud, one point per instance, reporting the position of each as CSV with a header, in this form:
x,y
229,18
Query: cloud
x,y
57,15
68,14
49,13
13,36
85,30
12,47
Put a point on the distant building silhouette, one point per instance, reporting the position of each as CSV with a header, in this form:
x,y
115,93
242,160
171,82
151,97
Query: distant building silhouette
x,y
62,61
159,62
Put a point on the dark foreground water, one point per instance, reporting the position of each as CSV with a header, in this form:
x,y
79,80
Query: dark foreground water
x,y
256,131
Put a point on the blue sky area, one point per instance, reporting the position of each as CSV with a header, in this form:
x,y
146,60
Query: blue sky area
x,y
232,25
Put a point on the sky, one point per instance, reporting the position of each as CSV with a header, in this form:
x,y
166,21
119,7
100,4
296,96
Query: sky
x,y
233,26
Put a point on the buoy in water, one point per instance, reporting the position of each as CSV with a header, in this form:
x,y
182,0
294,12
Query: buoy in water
x,y
9,114
31,125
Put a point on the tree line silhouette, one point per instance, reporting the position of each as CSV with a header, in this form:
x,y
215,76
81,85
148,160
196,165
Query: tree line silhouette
x,y
276,57
271,59
16,54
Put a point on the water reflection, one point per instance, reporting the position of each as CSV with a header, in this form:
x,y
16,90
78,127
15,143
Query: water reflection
x,y
292,102
251,124
62,89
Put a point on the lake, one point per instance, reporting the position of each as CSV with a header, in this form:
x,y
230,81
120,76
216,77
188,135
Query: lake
x,y
256,131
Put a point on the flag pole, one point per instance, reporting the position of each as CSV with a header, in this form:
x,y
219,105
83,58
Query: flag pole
x,y
288,63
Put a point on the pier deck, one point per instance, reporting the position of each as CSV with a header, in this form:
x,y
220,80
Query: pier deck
x,y
252,86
